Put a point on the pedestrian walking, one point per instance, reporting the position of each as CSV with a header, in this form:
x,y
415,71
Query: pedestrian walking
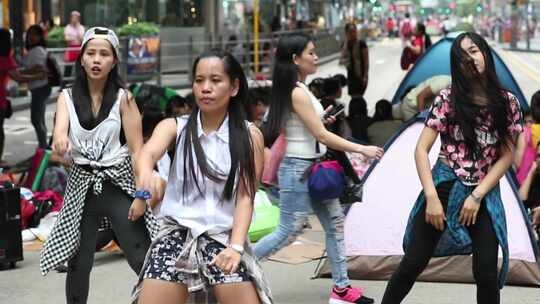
x,y
390,27
99,125
8,70
415,46
208,201
355,57
73,34
460,210
36,60
406,29
297,114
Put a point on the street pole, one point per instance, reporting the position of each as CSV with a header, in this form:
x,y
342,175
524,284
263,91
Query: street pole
x,y
16,24
527,10
514,25
256,36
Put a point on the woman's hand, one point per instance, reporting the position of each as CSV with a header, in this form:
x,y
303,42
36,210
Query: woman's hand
x,y
371,151
227,260
328,119
153,183
137,209
435,213
61,145
468,213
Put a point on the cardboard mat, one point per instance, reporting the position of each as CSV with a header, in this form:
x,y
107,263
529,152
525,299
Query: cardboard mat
x,y
303,250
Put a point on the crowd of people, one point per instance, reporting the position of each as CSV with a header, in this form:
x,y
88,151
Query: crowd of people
x,y
176,186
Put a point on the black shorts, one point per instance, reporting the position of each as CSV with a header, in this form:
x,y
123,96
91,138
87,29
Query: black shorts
x,y
164,254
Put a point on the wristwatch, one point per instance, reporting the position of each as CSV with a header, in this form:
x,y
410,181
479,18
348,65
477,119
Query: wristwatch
x,y
237,248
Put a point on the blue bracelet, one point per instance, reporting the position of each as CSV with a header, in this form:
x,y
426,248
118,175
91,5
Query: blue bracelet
x,y
143,194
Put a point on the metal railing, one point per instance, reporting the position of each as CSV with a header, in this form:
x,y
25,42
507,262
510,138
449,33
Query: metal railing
x,y
175,59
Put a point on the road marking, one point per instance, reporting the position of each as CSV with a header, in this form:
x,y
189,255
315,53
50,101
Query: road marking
x,y
31,142
531,71
22,118
380,61
17,129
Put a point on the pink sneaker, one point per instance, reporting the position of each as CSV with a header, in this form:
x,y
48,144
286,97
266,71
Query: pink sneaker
x,y
348,295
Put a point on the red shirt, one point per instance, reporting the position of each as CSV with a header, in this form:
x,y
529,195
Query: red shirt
x,y
6,64
418,41
390,24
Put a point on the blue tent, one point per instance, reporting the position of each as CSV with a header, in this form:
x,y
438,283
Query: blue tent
x,y
436,61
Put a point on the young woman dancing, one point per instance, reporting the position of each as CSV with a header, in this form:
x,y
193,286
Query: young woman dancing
x,y
99,125
460,210
208,200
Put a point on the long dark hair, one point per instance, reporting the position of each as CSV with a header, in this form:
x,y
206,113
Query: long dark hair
x,y
240,145
283,82
535,107
5,42
38,30
383,110
421,28
81,93
466,112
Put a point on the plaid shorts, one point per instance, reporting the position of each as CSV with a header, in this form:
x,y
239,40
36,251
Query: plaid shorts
x,y
164,254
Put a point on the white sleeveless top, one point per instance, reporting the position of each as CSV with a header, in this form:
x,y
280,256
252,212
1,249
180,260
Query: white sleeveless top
x,y
300,142
100,146
206,213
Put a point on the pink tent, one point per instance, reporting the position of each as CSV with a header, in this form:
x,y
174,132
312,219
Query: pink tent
x,y
374,228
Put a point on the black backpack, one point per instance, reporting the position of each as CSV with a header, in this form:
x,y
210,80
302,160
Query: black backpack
x,y
53,71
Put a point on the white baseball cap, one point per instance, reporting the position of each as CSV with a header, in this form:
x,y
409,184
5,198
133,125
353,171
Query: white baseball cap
x,y
102,33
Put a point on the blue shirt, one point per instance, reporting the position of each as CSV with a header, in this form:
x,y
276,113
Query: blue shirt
x,y
455,239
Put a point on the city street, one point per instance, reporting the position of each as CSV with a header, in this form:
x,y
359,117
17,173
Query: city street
x,y
112,280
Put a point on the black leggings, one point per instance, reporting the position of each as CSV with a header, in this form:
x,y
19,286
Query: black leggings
x,y
37,113
424,240
132,236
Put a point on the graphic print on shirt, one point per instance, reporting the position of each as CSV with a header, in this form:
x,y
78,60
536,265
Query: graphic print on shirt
x,y
94,148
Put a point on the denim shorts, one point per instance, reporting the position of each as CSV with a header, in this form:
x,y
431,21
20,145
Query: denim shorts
x,y
164,254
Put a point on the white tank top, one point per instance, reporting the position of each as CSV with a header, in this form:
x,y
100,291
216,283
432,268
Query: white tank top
x,y
300,142
100,146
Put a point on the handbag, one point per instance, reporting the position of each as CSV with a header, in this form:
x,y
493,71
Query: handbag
x,y
407,58
325,179
352,193
272,160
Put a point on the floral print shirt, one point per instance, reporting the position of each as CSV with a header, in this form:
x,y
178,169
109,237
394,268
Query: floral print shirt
x,y
453,148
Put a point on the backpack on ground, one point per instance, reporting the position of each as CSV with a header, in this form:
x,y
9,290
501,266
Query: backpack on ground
x,y
54,76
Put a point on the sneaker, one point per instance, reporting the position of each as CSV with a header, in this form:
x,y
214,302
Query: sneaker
x,y
349,295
